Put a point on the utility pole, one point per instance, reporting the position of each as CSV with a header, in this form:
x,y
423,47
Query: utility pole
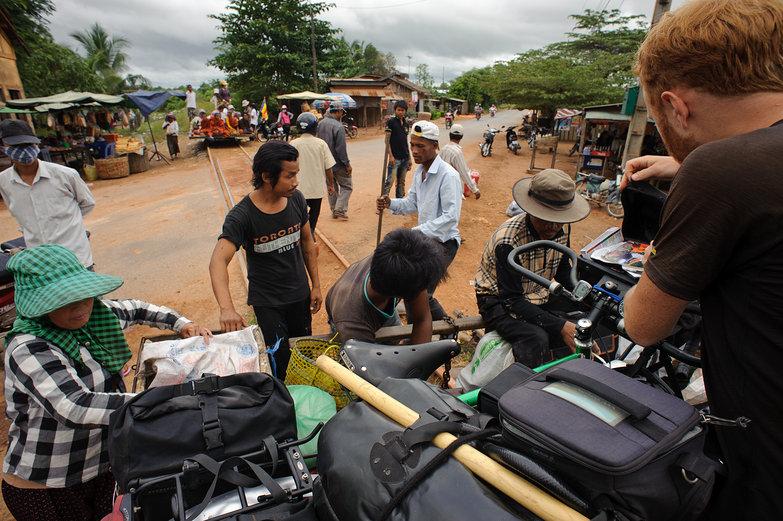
x,y
638,124
312,49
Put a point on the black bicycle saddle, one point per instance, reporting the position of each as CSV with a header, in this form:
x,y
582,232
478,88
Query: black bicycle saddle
x,y
375,362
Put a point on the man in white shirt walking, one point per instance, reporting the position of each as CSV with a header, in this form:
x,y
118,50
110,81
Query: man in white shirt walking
x,y
315,165
190,102
435,196
453,155
46,199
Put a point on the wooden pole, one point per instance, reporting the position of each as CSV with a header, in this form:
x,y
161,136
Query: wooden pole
x,y
383,185
514,486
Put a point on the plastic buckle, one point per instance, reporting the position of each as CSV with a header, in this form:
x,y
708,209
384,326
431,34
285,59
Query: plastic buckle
x,y
206,385
213,434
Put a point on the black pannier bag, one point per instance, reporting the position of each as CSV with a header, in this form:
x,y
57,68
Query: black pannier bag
x,y
351,488
632,448
155,431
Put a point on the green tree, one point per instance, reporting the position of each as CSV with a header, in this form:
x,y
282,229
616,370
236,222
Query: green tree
x,y
105,54
29,18
473,86
50,68
264,46
423,76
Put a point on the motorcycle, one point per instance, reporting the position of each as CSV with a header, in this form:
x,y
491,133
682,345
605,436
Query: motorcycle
x,y
492,111
601,192
477,113
7,306
489,138
351,130
512,142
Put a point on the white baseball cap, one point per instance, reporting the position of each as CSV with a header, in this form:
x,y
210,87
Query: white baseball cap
x,y
457,130
425,129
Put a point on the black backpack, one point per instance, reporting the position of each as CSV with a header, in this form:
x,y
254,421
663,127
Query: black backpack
x,y
153,433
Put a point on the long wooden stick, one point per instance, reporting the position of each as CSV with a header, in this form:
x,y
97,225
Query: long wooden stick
x,y
383,185
514,486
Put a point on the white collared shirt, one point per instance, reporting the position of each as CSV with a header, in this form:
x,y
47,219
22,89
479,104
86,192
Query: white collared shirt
x,y
50,210
190,99
437,199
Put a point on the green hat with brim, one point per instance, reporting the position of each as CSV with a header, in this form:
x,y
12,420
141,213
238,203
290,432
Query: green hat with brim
x,y
50,276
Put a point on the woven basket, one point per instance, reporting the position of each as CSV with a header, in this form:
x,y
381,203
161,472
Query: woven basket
x,y
303,371
138,163
112,167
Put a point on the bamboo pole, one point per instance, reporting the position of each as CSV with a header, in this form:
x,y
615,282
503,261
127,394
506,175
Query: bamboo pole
x,y
514,486
383,184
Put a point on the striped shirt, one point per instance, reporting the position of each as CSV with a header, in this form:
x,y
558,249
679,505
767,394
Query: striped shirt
x,y
59,409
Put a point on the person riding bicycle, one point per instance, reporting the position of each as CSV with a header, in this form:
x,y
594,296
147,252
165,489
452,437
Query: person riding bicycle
x,y
520,311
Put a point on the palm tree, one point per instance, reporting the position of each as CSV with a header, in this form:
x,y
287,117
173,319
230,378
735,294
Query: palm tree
x,y
105,54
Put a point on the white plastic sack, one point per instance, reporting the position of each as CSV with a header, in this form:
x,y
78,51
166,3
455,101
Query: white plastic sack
x,y
183,360
695,393
492,355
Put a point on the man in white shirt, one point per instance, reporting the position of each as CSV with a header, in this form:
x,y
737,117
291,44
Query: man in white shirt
x,y
190,102
315,165
435,196
46,199
452,154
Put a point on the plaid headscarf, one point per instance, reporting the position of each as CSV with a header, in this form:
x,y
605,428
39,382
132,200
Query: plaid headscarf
x,y
24,154
102,336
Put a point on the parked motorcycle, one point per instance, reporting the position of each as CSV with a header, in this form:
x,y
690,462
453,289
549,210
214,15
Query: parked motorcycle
x,y
601,192
489,138
351,130
512,141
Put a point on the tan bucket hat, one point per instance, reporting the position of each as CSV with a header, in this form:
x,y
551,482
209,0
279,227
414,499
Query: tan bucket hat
x,y
550,195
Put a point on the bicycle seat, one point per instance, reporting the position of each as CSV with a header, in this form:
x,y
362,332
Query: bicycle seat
x,y
375,362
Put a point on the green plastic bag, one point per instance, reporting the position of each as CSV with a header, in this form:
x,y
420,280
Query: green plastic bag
x,y
312,405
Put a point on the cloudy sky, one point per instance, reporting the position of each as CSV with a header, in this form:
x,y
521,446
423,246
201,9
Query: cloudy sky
x,y
171,40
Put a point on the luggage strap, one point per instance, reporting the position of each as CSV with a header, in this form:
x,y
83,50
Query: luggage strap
x,y
431,465
387,459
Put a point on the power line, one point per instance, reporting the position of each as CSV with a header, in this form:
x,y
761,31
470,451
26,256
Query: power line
x,y
382,6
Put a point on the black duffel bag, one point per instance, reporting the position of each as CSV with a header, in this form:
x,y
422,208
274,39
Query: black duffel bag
x,y
634,449
353,487
155,431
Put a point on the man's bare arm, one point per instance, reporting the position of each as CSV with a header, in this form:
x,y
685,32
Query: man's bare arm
x,y
421,318
224,251
650,314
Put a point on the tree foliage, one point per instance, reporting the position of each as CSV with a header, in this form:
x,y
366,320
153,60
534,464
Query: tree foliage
x,y
423,76
264,45
29,19
50,68
105,55
591,67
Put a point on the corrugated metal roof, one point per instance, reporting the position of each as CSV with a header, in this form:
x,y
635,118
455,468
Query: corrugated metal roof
x,y
364,92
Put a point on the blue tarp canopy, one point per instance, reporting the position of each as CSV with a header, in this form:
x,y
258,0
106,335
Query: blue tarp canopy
x,y
149,101
347,101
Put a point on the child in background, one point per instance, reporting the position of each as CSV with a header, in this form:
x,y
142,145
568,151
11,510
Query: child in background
x,y
172,138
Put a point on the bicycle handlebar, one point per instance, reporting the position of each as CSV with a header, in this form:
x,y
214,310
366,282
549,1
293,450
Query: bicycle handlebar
x,y
554,287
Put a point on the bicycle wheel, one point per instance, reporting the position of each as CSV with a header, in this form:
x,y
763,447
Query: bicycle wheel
x,y
353,133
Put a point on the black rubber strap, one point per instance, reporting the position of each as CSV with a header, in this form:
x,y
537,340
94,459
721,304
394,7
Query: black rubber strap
x,y
431,465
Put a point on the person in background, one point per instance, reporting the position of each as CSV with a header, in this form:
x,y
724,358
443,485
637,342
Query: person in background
x,y
244,124
435,196
253,116
190,102
215,99
63,364
223,94
365,297
397,150
519,310
49,201
284,120
331,130
195,123
452,154
315,165
171,127
272,225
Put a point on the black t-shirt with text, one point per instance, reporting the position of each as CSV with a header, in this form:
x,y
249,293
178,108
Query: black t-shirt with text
x,y
721,241
275,264
398,139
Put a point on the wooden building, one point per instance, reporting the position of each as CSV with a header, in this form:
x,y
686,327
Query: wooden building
x,y
10,83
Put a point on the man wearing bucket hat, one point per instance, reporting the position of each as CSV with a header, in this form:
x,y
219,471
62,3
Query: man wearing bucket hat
x,y
63,361
48,200
435,195
517,309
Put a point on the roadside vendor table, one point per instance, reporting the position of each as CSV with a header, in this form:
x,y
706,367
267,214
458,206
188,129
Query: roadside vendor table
x,y
603,156
79,152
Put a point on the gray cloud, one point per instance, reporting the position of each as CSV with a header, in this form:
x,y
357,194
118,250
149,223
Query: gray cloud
x,y
171,40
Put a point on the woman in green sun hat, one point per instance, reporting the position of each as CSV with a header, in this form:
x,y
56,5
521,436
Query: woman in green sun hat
x,y
63,361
